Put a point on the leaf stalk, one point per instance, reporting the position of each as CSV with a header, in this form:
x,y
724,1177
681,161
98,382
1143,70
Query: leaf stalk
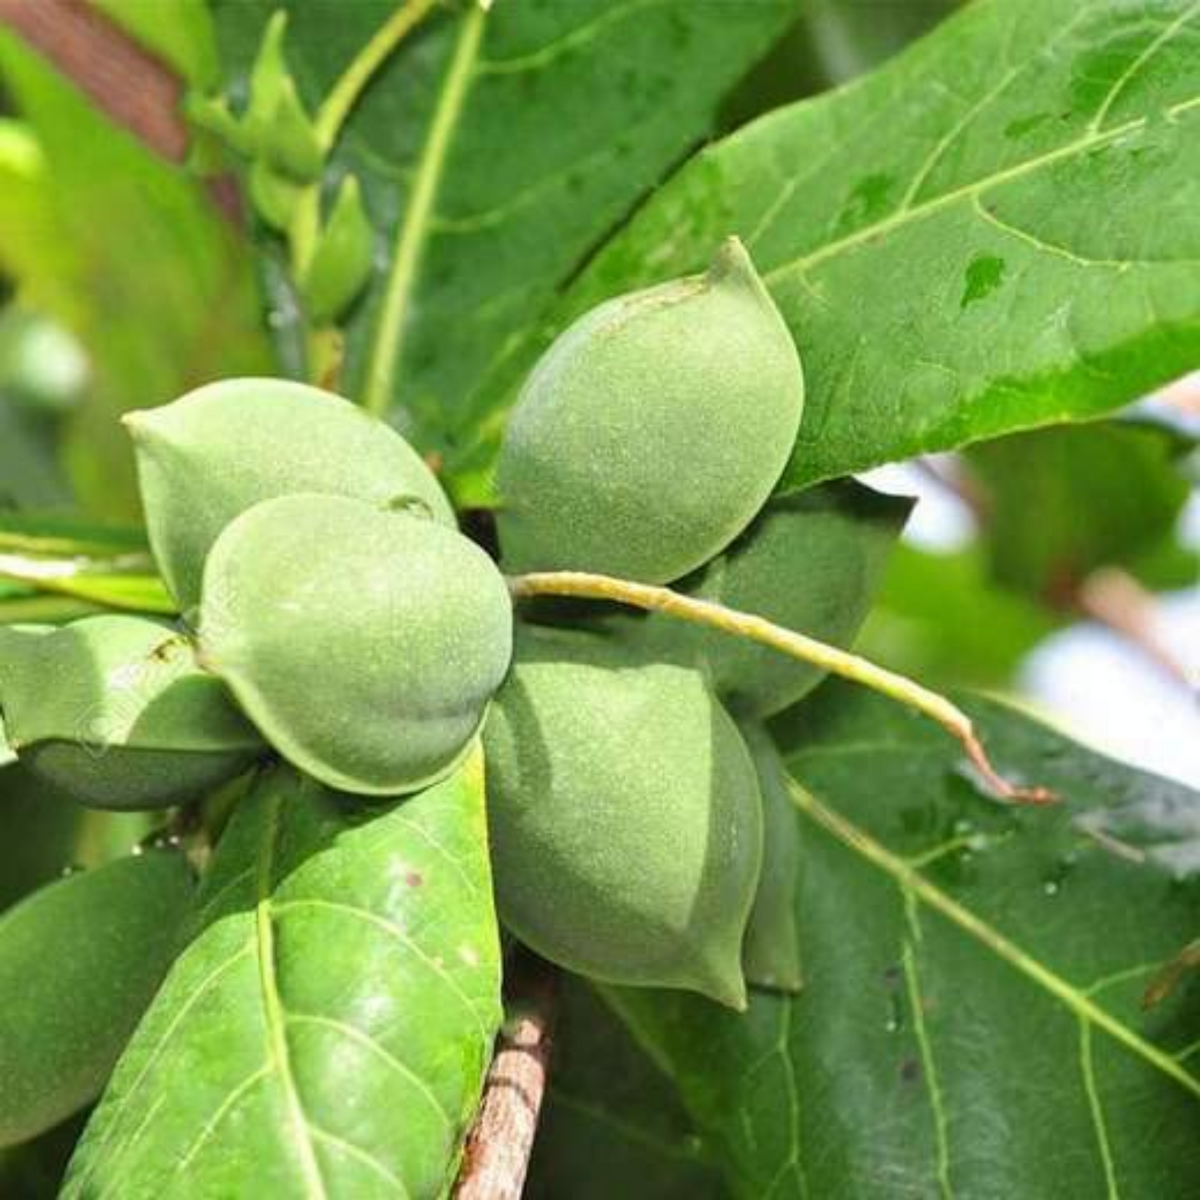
x,y
652,598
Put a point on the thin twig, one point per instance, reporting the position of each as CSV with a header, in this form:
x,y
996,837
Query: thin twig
x,y
798,645
133,88
496,1158
1117,600
352,82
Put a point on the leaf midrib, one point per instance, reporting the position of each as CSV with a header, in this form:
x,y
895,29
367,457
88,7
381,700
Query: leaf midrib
x,y
907,215
383,367
908,878
273,1013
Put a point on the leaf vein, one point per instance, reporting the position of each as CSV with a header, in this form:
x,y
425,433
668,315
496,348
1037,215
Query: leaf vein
x,y
1096,1109
1071,997
363,1156
916,1002
579,36
433,843
1146,56
362,1038
118,1147
230,1101
927,208
394,931
273,1014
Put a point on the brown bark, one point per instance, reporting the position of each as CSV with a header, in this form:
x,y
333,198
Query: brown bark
x,y
134,88
499,1146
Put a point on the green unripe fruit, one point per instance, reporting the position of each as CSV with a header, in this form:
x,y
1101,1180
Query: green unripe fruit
x,y
624,816
653,429
80,960
771,952
810,562
364,644
222,448
116,711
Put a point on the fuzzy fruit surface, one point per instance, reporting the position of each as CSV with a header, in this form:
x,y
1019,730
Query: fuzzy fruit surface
x,y
80,960
364,644
810,562
624,816
652,430
771,952
225,447
115,710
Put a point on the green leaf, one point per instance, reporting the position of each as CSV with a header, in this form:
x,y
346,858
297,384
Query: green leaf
x,y
327,1029
47,833
20,605
612,1124
110,589
585,100
80,960
960,241
29,472
131,256
55,534
972,1012
1060,503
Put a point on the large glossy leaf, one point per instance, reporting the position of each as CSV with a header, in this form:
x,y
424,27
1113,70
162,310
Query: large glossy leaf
x,y
496,149
130,255
326,1031
961,241
611,1124
972,1022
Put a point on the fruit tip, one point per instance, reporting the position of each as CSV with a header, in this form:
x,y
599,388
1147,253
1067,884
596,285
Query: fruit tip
x,y
726,989
139,421
732,262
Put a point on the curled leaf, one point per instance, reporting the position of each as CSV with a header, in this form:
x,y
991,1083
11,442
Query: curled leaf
x,y
279,130
341,262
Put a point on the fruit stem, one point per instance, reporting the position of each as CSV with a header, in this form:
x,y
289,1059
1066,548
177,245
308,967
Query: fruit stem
x,y
584,585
